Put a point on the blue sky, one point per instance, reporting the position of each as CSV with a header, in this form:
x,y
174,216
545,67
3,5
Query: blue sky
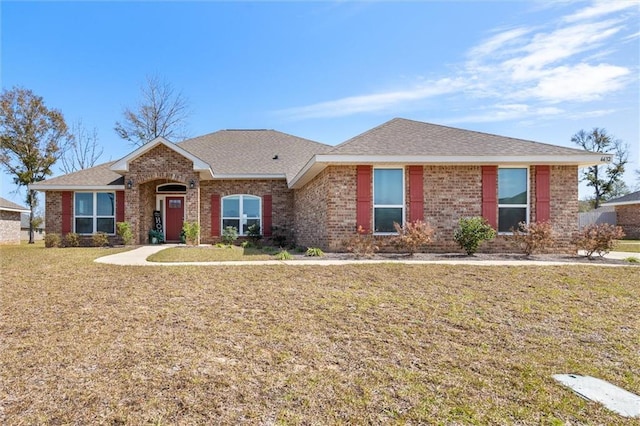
x,y
327,71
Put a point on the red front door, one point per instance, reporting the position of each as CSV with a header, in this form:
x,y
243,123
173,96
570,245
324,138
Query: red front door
x,y
174,206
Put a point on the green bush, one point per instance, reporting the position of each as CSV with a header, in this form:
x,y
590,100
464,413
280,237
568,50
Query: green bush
x,y
253,233
52,240
314,252
124,231
413,236
471,232
191,232
157,235
534,237
72,240
229,235
598,238
283,255
100,239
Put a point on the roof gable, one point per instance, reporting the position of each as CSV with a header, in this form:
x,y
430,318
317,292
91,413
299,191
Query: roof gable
x,y
122,165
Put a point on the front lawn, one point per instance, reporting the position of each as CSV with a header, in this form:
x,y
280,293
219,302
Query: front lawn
x,y
630,246
87,343
209,254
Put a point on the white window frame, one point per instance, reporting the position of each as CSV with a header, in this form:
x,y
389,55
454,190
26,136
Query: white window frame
x,y
94,216
526,206
379,206
242,220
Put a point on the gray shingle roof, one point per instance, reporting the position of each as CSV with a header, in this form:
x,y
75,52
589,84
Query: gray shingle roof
x,y
10,205
407,137
632,198
253,151
99,175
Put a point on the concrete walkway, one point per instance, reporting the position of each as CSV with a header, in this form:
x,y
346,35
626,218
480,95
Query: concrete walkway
x,y
138,257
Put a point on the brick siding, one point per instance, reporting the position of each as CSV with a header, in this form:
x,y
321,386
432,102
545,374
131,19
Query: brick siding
x,y
9,227
628,218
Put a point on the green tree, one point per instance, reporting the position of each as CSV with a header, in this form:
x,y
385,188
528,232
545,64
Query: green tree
x,y
32,139
604,179
160,112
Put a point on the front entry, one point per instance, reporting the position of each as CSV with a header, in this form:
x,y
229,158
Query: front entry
x,y
174,208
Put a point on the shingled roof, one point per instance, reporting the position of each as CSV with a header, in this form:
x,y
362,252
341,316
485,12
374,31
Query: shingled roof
x,y
633,198
407,137
98,176
253,152
11,206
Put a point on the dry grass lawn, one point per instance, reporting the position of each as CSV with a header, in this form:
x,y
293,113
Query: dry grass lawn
x,y
85,343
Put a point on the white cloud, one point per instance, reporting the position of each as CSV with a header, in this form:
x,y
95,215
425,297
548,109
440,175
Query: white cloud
x,y
601,8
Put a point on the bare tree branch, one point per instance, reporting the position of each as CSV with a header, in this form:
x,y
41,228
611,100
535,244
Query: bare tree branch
x,y
84,151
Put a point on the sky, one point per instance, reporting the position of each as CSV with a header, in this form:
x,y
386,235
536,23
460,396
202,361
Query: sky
x,y
328,71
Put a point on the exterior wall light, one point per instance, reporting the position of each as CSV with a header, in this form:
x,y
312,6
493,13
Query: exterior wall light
x,y
129,184
192,184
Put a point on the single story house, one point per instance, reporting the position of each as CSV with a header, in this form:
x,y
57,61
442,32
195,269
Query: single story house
x,y
627,210
38,232
400,171
10,221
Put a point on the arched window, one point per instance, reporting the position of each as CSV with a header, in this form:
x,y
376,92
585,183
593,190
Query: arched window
x,y
171,187
241,211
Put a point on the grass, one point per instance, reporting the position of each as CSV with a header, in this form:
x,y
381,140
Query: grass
x,y
86,343
209,254
630,246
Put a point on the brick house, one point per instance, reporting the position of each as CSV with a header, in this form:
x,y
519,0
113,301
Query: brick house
x,y
10,221
627,210
400,171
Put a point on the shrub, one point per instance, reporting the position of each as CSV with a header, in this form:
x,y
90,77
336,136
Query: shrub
x,y
52,240
123,229
534,237
281,235
471,232
72,240
314,252
100,239
598,238
153,233
229,235
283,255
413,236
362,244
253,233
191,232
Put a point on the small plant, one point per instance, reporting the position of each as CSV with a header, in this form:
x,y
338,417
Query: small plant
x,y
598,238
632,259
72,240
52,240
191,232
100,239
314,252
123,229
281,235
362,244
253,233
413,236
283,255
229,235
157,236
471,232
534,237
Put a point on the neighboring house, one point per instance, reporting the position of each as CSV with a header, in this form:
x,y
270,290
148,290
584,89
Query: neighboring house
x,y
38,233
627,214
10,221
400,171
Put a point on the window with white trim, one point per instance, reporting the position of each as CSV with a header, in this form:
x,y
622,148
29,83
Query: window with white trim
x,y
241,211
513,197
94,212
388,199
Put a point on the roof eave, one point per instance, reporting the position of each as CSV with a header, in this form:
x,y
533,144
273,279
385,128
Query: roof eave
x,y
621,203
321,161
67,187
11,209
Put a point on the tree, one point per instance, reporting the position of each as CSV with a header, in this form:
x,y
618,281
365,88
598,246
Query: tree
x,y
604,179
161,112
84,150
32,139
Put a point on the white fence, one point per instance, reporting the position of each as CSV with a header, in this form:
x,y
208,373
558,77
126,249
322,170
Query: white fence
x,y
597,216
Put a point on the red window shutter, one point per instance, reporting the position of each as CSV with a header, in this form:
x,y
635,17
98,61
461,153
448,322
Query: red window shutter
x,y
363,197
67,212
215,215
266,215
416,194
489,195
119,206
543,194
